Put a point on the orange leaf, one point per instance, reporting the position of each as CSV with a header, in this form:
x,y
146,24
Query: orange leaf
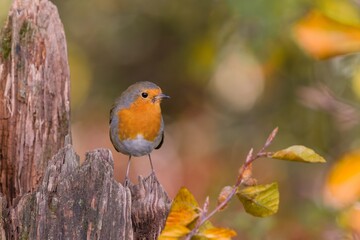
x,y
218,233
323,37
173,232
184,210
350,219
247,172
225,192
181,217
342,187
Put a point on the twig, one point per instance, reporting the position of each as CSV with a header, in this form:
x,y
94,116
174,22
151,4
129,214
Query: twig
x,y
249,160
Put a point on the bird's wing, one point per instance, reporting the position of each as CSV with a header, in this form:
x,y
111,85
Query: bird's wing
x,y
161,142
112,113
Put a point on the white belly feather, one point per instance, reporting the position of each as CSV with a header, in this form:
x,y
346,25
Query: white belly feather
x,y
138,146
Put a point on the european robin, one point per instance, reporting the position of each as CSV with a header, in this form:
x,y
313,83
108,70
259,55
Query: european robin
x,y
136,123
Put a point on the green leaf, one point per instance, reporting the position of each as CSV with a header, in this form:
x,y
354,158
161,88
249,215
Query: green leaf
x,y
299,153
260,200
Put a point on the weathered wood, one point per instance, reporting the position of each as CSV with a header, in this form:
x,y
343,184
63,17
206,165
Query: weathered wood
x,y
150,207
85,202
34,94
75,202
3,216
45,193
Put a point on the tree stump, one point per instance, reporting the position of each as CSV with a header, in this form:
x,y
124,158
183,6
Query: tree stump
x,y
150,207
45,193
34,90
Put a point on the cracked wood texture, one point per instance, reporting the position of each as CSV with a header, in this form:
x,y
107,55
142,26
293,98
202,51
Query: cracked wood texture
x,y
45,192
34,94
150,207
75,202
85,202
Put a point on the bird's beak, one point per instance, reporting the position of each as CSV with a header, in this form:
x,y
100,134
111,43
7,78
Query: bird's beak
x,y
161,96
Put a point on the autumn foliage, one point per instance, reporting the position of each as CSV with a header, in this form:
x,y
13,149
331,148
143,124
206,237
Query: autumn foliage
x,y
188,220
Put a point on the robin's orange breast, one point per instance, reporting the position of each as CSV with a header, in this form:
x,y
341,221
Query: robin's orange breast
x,y
142,118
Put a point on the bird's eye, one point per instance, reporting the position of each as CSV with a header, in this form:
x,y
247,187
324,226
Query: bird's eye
x,y
144,94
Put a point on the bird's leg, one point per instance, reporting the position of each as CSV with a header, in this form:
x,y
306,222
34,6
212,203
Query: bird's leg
x,y
127,180
152,168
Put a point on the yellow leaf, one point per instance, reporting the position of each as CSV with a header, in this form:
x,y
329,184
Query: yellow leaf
x,y
218,233
202,228
323,37
183,211
345,11
342,187
174,232
184,208
184,200
181,217
299,153
260,200
167,238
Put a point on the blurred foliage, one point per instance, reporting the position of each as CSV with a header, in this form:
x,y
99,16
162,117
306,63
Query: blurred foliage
x,y
234,69
4,10
343,182
320,36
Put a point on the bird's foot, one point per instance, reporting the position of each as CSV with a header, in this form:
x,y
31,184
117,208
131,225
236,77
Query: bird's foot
x,y
126,182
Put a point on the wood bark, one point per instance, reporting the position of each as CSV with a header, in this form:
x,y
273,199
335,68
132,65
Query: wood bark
x,y
34,91
45,193
85,202
150,207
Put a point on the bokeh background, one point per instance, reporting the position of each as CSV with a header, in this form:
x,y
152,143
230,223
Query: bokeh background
x,y
235,70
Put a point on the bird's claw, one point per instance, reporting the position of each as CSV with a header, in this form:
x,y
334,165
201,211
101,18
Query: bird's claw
x,y
126,182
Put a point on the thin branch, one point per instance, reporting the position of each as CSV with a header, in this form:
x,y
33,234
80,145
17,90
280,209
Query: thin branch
x,y
205,209
250,158
206,206
270,139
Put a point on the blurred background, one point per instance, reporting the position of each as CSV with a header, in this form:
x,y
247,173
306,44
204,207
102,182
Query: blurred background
x,y
235,70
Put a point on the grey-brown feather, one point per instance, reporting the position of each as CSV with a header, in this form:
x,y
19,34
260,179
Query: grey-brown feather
x,y
124,101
